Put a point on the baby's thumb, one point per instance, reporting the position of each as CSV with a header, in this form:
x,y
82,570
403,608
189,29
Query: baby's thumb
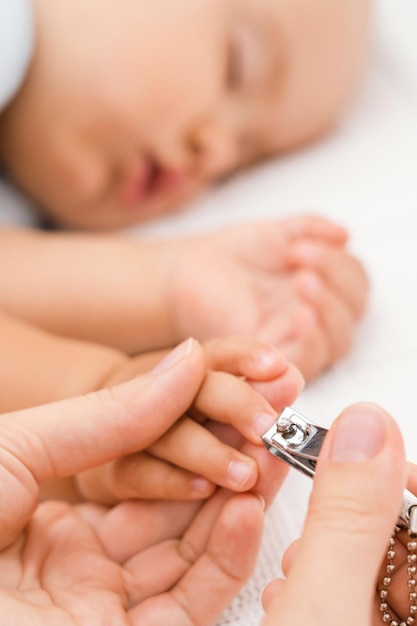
x,y
63,438
354,506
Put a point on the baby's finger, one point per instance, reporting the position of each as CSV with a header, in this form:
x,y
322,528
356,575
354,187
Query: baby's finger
x,y
141,475
191,446
332,312
230,400
289,388
272,472
316,227
306,346
244,355
342,272
303,342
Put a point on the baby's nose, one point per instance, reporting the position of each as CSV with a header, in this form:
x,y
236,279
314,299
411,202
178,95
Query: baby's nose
x,y
213,150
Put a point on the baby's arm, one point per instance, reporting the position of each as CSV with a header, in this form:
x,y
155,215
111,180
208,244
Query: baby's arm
x,y
135,295
107,289
37,367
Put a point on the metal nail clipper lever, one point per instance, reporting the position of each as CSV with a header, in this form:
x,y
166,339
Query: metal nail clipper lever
x,y
298,441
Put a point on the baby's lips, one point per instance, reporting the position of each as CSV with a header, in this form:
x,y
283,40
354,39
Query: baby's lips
x,y
146,177
134,186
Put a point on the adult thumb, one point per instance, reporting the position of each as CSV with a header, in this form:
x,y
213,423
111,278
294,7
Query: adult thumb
x,y
69,436
353,509
63,438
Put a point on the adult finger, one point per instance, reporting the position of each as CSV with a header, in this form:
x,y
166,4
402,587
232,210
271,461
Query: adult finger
x,y
136,525
354,506
67,437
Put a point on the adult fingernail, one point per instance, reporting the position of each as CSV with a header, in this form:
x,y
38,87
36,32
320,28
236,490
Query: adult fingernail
x,y
175,356
359,434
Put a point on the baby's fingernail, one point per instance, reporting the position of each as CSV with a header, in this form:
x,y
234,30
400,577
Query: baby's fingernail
x,y
270,358
305,252
359,434
262,422
240,472
201,485
175,356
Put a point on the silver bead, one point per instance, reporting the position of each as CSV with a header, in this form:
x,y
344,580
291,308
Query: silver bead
x,y
384,594
391,555
391,569
383,607
413,596
413,609
386,617
412,545
394,623
412,582
412,569
410,621
412,558
387,581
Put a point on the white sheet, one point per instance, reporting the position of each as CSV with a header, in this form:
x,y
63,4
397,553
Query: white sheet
x,y
364,176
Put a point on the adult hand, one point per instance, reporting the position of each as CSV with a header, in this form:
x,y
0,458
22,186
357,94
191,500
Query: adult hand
x,y
173,469
153,563
333,571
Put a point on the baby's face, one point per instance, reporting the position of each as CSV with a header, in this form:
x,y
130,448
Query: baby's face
x,y
133,106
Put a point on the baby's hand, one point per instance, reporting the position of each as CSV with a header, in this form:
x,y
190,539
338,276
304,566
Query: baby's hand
x,y
189,461
289,282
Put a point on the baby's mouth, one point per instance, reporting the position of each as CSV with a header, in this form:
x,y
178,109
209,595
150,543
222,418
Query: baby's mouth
x,y
147,179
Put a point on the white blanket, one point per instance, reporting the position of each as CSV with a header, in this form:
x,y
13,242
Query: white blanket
x,y
365,176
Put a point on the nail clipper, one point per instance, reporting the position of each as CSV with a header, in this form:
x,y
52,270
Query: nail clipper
x,y
298,441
